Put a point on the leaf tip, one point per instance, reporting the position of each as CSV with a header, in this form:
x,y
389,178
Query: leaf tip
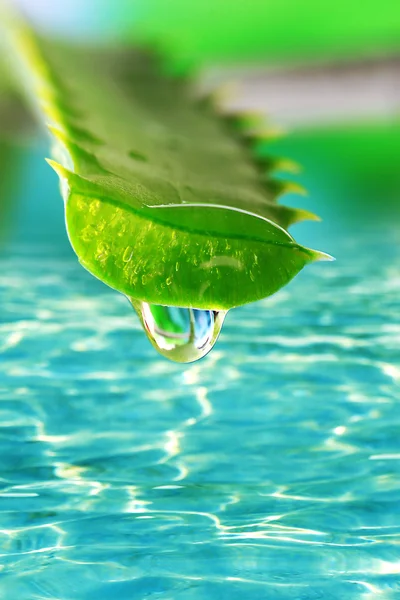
x,y
323,256
282,187
304,215
287,165
271,133
223,94
292,187
307,215
57,132
59,169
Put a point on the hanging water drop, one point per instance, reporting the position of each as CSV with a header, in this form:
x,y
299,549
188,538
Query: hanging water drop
x,y
181,334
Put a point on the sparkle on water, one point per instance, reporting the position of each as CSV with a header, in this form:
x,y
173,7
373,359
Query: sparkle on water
x,y
181,334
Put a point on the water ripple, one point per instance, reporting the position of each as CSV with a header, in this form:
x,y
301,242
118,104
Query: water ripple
x,y
269,470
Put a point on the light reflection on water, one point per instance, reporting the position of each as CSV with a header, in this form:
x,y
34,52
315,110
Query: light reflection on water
x,y
269,470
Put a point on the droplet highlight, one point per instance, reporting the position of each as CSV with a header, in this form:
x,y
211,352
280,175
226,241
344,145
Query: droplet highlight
x,y
183,335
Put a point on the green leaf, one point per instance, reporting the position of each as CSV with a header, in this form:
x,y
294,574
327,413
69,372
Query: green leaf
x,y
164,199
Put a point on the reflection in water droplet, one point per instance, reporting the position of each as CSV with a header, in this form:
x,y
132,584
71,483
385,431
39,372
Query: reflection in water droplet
x,y
181,334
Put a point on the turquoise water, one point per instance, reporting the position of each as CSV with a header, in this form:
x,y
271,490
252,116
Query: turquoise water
x,y
269,470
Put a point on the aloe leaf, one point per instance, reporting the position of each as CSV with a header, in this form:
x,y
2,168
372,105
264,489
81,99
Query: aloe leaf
x,y
164,199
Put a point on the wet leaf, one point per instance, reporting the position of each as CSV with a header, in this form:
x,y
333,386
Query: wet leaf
x,y
165,200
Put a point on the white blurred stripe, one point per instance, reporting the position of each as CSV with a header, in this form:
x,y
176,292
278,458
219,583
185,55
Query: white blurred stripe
x,y
293,97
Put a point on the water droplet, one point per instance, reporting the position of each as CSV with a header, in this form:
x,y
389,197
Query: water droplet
x,y
94,207
181,334
81,204
128,253
121,230
101,225
89,233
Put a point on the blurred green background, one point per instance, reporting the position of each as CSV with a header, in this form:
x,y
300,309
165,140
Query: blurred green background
x,y
271,30
215,30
